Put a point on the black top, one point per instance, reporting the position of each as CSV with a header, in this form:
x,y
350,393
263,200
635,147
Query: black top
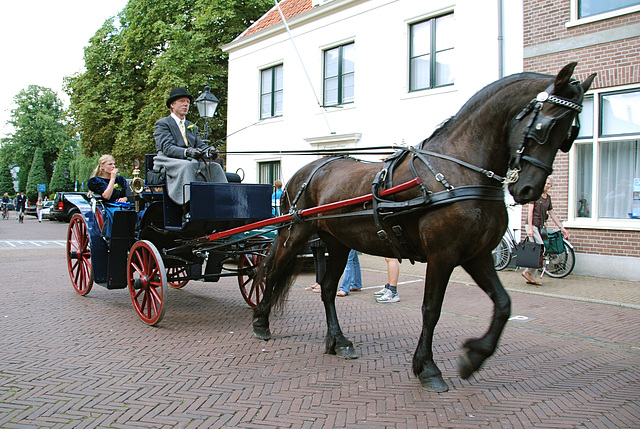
x,y
98,185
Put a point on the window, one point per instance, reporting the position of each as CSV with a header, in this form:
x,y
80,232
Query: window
x,y
588,8
271,92
431,53
268,172
607,158
339,75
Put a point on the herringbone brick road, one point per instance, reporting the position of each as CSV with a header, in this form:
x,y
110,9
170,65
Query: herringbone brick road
x,y
72,361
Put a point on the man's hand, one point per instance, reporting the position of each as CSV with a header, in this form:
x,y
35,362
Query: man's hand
x,y
194,152
210,153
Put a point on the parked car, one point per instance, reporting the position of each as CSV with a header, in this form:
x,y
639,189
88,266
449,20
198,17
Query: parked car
x,y
62,210
46,210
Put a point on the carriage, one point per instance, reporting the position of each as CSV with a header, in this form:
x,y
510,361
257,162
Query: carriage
x,y
152,246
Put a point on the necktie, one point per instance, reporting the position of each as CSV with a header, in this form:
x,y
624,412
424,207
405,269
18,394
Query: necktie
x,y
184,133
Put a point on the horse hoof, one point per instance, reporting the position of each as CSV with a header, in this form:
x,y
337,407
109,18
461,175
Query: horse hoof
x,y
434,383
465,367
347,352
262,333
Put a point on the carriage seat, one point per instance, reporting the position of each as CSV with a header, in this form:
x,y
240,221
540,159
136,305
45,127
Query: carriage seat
x,y
159,178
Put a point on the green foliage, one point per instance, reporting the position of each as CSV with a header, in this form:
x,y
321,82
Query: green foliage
x,y
82,167
59,180
131,69
6,181
37,175
39,123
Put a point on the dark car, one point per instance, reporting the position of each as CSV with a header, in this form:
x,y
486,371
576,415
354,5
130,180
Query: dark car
x,y
62,209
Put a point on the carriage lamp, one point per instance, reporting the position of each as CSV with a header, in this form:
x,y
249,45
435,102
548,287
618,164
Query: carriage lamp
x,y
207,104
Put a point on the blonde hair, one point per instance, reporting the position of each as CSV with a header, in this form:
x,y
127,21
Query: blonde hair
x,y
101,161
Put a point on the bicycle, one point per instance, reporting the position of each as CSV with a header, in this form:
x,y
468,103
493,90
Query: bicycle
x,y
559,258
21,215
5,211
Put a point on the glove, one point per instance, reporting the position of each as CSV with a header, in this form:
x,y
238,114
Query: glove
x,y
210,153
193,152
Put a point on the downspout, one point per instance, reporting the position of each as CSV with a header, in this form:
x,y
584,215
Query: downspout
x,y
500,40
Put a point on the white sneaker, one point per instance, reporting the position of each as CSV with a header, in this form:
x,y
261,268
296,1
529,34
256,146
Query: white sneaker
x,y
381,291
389,297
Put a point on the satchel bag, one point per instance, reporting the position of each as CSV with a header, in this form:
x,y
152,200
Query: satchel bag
x,y
529,254
554,244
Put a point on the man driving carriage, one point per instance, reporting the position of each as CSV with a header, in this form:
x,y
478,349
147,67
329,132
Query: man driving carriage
x,y
181,152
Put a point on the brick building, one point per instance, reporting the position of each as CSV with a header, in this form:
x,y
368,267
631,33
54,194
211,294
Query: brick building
x,y
594,189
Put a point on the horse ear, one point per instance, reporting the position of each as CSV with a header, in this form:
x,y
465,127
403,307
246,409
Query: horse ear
x,y
564,76
588,81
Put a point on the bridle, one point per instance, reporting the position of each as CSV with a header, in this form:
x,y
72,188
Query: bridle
x,y
539,128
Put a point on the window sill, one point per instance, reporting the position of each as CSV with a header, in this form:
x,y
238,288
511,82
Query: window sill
x,y
601,17
615,224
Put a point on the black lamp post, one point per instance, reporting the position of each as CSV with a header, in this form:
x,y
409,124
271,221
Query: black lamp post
x,y
207,104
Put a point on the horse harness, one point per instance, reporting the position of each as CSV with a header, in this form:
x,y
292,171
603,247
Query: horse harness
x,y
539,127
390,211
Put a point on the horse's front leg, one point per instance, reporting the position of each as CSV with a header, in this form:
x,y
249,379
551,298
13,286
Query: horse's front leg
x,y
336,342
424,367
479,349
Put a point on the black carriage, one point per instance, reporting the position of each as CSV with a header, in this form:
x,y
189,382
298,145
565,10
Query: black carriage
x,y
153,244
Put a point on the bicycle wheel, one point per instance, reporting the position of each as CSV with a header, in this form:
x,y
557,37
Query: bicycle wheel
x,y
561,265
501,255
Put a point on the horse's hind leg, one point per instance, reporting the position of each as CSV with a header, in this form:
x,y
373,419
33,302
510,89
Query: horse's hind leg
x,y
336,342
479,349
437,278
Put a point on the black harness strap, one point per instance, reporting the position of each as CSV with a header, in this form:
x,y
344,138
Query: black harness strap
x,y
292,208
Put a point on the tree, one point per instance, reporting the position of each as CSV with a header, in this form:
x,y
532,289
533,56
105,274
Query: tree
x,y
39,123
131,69
37,175
81,168
6,181
62,177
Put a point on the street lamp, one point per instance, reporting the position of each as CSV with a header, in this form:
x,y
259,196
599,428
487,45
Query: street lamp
x,y
207,104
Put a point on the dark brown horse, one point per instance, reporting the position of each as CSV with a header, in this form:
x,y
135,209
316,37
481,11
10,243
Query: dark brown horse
x,y
511,128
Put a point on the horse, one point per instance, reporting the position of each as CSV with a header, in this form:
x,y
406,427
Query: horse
x,y
508,132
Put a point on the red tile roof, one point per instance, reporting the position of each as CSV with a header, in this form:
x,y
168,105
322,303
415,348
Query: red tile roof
x,y
290,8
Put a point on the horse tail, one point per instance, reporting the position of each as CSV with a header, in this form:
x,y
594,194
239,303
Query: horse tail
x,y
279,283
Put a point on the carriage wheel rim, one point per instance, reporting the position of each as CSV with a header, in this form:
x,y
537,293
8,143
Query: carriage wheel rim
x,y
147,282
79,255
252,291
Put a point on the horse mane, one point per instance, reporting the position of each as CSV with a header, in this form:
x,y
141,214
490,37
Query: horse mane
x,y
480,98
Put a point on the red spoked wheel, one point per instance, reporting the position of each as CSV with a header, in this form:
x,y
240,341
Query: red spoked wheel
x,y
147,281
175,277
251,288
79,255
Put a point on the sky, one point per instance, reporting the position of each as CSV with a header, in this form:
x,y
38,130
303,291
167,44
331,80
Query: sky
x,y
42,42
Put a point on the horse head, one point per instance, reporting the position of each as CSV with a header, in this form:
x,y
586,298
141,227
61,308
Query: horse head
x,y
548,123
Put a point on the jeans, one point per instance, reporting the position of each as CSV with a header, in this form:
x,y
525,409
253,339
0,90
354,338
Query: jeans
x,y
351,279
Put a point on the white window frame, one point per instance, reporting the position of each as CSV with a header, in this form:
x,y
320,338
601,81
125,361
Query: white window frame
x,y
574,20
272,92
594,222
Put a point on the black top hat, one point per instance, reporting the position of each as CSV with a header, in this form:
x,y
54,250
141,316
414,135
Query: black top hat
x,y
178,93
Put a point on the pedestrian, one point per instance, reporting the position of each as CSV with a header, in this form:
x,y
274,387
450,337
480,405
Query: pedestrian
x,y
352,277
538,212
21,205
39,207
275,199
318,250
389,293
181,150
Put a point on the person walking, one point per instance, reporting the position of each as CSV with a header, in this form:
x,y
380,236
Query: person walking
x,y
318,250
39,207
389,293
21,205
537,214
275,199
352,277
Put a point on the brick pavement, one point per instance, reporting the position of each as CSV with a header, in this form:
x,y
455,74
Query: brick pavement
x,y
74,361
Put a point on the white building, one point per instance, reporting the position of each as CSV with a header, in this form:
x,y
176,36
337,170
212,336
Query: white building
x,y
360,73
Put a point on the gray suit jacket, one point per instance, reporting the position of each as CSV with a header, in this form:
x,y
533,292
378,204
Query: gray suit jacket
x,y
169,139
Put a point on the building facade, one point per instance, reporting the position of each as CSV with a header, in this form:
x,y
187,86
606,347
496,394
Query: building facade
x,y
597,184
